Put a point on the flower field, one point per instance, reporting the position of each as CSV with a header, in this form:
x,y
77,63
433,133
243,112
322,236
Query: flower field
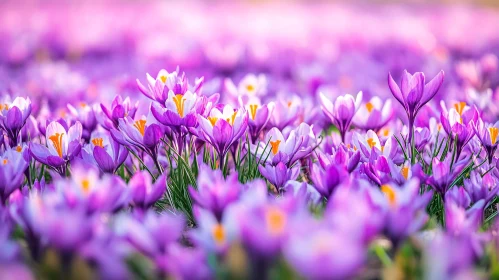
x,y
248,140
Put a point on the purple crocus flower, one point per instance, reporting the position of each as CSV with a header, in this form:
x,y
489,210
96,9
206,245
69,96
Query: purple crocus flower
x,y
85,114
458,196
286,111
442,175
63,145
187,263
342,111
259,115
119,109
214,192
327,179
413,93
105,152
13,117
487,134
374,114
179,112
279,174
481,188
340,156
406,209
222,128
12,166
458,124
144,193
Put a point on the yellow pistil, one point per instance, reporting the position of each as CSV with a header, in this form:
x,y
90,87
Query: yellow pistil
x,y
140,125
253,108
213,120
57,142
276,220
290,103
5,161
275,146
163,79
371,142
98,142
385,132
493,131
218,233
85,185
83,104
250,88
19,149
369,107
179,101
405,172
390,194
232,118
460,107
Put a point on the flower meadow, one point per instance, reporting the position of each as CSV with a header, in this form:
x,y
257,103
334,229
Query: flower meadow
x,y
248,141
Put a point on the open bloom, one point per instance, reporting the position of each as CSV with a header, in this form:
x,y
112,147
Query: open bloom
x,y
63,145
13,117
105,152
488,136
159,89
413,93
222,128
85,114
374,114
259,115
142,134
458,123
342,111
443,176
180,111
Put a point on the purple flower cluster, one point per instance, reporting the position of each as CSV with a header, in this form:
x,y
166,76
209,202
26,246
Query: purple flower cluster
x,y
270,167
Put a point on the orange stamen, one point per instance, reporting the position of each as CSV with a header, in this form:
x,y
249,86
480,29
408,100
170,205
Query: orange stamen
x,y
19,149
140,125
460,107
493,131
275,146
179,101
405,172
253,108
276,220
250,87
98,142
163,79
218,233
213,120
371,142
369,107
57,142
390,194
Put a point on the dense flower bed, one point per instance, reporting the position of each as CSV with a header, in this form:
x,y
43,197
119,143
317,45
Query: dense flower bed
x,y
295,145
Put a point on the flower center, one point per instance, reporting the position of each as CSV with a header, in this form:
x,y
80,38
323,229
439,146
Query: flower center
x,y
19,149
275,220
4,106
218,233
390,194
369,107
140,125
179,101
405,172
232,118
85,185
57,142
213,120
275,146
98,142
5,161
250,87
460,107
253,108
290,103
163,79
371,142
493,131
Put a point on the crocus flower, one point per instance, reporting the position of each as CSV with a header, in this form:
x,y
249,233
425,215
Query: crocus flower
x,y
327,179
458,196
158,89
222,128
406,209
481,188
413,93
63,145
279,174
187,263
12,167
259,115
374,114
340,156
488,136
342,111
13,117
180,111
458,124
85,114
214,193
144,193
119,109
369,144
443,176
105,152
286,112
251,85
